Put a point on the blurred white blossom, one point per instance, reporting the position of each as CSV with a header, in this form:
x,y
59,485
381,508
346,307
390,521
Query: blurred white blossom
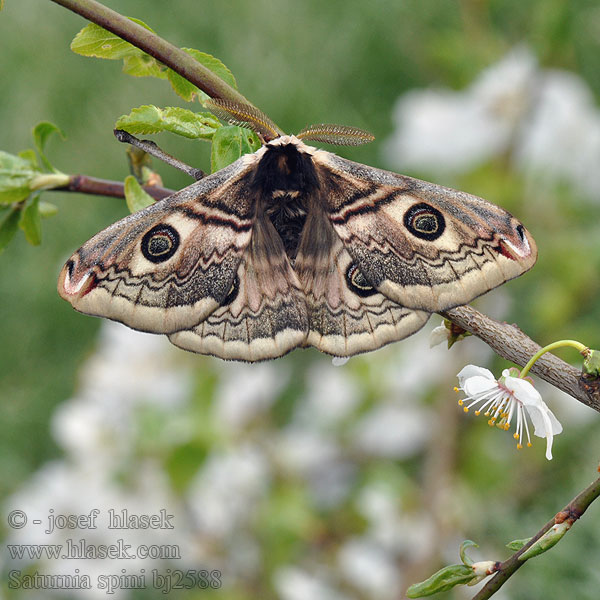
x,y
331,395
292,583
247,390
546,120
226,488
393,431
454,131
370,569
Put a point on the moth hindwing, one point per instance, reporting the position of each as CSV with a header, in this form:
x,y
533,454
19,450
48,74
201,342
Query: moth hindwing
x,y
292,247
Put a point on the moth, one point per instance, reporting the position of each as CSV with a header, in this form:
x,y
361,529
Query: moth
x,y
293,246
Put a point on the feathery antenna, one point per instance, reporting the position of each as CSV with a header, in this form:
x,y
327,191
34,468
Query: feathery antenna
x,y
340,135
244,115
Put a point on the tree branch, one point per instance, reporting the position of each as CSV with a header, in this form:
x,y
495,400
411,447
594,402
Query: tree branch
x,y
511,343
168,54
571,513
104,187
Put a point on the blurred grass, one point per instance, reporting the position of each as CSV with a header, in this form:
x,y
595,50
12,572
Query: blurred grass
x,y
302,62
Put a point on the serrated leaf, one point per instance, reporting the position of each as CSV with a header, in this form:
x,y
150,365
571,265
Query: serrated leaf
x,y
31,220
187,90
151,119
47,209
16,175
9,224
41,132
229,143
442,581
182,87
96,41
214,64
135,196
516,545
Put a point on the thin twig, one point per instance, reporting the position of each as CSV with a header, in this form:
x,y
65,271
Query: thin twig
x,y
153,149
571,513
511,343
104,187
168,54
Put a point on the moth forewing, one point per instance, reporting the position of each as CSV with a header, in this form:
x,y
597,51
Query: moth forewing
x,y
424,246
293,246
167,267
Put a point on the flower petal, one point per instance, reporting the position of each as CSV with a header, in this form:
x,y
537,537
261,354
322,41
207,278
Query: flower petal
x,y
438,335
477,386
473,371
524,391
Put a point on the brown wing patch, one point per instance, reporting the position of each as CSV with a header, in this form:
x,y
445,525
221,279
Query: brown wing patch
x,y
346,315
265,314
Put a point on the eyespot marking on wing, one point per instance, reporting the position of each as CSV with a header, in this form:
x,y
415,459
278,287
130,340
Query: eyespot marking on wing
x,y
358,283
160,243
424,221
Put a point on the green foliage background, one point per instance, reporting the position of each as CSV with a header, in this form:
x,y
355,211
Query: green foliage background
x,y
342,61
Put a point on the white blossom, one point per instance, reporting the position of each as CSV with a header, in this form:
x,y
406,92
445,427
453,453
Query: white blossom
x,y
507,398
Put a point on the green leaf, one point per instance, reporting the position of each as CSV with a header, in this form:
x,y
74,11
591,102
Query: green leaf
x,y
151,119
463,551
135,195
547,541
516,545
96,41
229,143
30,156
41,132
188,90
442,581
16,175
591,363
213,64
9,224
143,65
31,220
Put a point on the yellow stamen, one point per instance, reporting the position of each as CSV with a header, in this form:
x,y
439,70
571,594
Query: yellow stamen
x,y
466,409
529,444
516,436
519,446
455,389
460,402
477,413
